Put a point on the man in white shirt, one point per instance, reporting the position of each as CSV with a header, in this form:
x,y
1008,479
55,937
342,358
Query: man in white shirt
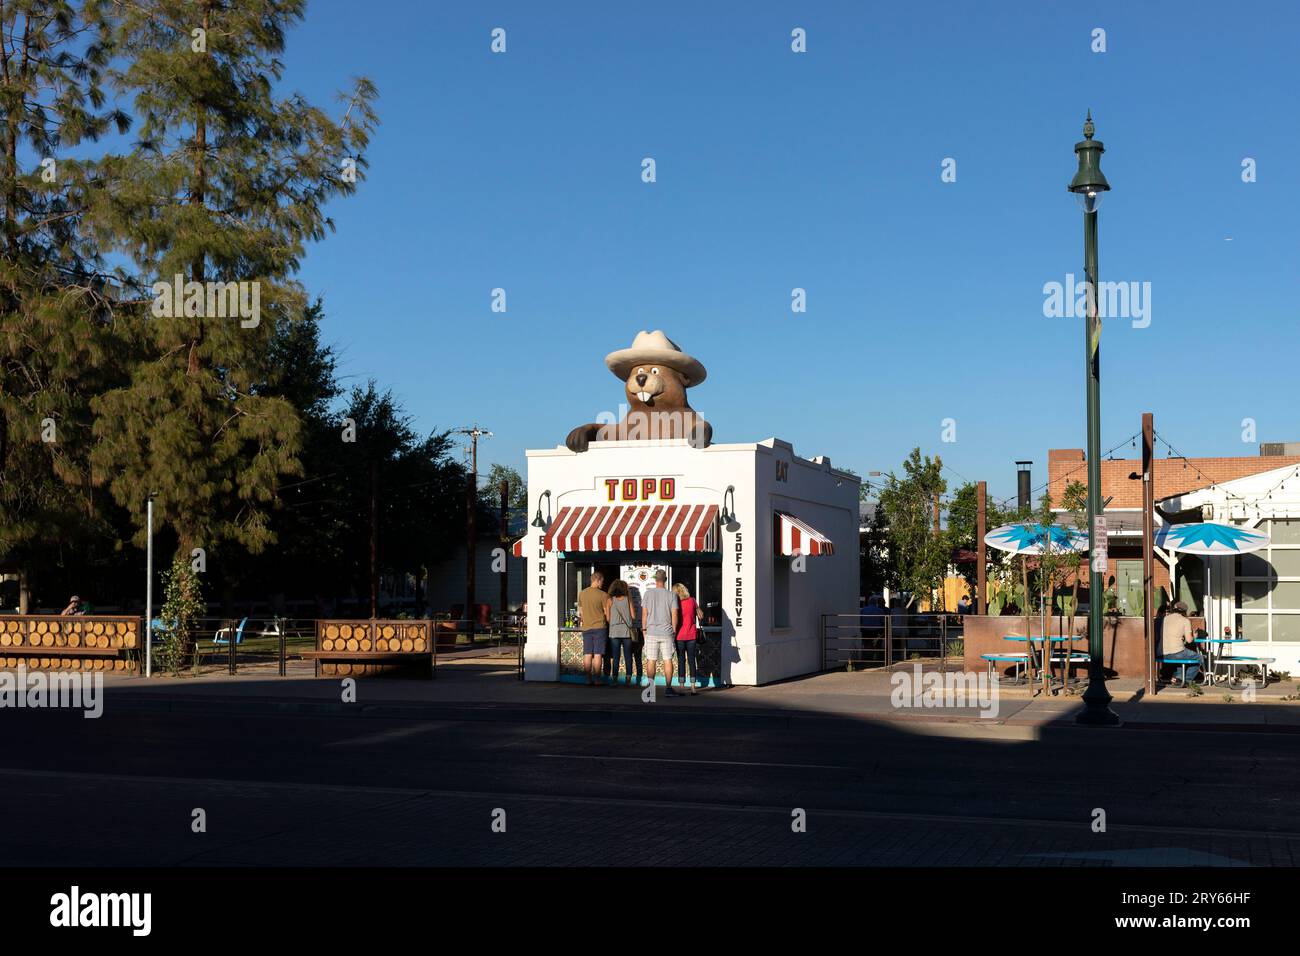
x,y
660,615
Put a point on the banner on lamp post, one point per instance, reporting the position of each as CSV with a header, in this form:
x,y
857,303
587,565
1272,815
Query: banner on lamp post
x,y
1100,558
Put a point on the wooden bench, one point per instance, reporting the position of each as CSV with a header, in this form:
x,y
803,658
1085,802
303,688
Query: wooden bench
x,y
40,650
371,657
354,642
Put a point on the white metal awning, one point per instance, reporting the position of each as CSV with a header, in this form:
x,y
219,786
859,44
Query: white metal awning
x,y
794,536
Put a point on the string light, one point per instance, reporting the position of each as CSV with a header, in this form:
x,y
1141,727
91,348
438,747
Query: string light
x,y
1066,474
1245,504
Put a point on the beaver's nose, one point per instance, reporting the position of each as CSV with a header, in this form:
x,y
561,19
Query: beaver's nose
x,y
640,379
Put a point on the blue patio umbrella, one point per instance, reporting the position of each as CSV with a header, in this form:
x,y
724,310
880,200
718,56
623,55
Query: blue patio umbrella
x,y
1030,537
1033,538
1210,537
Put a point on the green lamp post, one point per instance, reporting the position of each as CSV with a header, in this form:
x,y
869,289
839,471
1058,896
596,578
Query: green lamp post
x,y
1088,185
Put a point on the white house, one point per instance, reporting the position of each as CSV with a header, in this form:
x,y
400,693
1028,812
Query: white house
x,y
766,540
1256,595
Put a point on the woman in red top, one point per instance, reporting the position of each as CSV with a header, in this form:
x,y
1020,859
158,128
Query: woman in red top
x,y
686,634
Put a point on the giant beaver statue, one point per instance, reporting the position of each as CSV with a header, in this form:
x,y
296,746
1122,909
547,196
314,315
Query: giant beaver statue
x,y
656,374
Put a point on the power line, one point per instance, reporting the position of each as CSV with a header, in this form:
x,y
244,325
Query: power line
x,y
1132,439
1215,485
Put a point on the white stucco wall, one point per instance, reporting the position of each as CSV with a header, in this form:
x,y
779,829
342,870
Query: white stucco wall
x,y
828,501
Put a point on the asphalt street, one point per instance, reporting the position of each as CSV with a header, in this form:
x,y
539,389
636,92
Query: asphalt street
x,y
668,787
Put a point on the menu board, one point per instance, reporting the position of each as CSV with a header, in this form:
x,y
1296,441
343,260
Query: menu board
x,y
638,577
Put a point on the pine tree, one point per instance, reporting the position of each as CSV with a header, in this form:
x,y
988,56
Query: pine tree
x,y
227,184
421,504
303,373
55,303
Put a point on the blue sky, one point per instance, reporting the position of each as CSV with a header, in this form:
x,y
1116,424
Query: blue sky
x,y
822,171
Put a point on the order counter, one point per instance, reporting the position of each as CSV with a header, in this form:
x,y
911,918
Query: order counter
x,y
709,656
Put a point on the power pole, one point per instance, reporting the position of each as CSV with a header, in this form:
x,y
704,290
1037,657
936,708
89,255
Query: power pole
x,y
943,584
505,544
1148,547
938,461
981,519
471,533
374,540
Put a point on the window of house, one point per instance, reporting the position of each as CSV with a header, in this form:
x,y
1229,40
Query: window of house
x,y
1268,585
781,592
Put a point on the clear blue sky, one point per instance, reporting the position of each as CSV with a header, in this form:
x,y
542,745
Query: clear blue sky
x,y
819,170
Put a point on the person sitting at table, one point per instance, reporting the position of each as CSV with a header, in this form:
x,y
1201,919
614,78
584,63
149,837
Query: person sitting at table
x,y
1175,642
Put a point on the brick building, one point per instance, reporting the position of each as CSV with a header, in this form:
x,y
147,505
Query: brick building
x,y
1254,595
1173,476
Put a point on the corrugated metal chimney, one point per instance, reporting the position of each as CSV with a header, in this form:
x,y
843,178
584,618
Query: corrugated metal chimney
x,y
1022,483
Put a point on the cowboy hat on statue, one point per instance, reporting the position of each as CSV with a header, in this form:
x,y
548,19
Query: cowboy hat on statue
x,y
656,374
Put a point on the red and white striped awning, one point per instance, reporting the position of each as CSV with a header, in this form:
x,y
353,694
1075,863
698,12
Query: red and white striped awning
x,y
634,528
794,535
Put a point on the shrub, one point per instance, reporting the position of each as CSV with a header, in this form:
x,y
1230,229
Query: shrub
x,y
183,606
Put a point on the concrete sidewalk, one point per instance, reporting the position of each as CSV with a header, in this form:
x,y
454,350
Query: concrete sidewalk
x,y
488,688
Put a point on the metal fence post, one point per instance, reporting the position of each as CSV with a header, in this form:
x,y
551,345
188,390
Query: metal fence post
x,y
521,636
234,633
943,643
889,640
280,626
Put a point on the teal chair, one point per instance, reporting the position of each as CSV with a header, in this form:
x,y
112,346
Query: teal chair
x,y
223,636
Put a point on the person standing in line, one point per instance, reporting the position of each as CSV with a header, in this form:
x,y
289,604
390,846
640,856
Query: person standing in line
x,y
687,632
593,611
638,635
660,614
622,627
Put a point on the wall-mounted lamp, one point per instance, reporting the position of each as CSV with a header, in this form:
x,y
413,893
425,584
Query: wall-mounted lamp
x,y
538,522
729,520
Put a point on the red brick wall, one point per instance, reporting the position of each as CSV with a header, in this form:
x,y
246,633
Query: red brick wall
x,y
1123,641
1172,476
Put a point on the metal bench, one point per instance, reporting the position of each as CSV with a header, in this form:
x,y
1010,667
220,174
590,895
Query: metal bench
x,y
1018,659
1184,663
1232,663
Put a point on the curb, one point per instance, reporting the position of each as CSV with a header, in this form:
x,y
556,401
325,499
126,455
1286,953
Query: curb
x,y
399,710
624,714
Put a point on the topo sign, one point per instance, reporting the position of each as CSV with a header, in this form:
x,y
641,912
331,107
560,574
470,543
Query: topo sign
x,y
640,489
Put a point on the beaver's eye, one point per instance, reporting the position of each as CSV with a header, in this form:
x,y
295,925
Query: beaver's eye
x,y
654,371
